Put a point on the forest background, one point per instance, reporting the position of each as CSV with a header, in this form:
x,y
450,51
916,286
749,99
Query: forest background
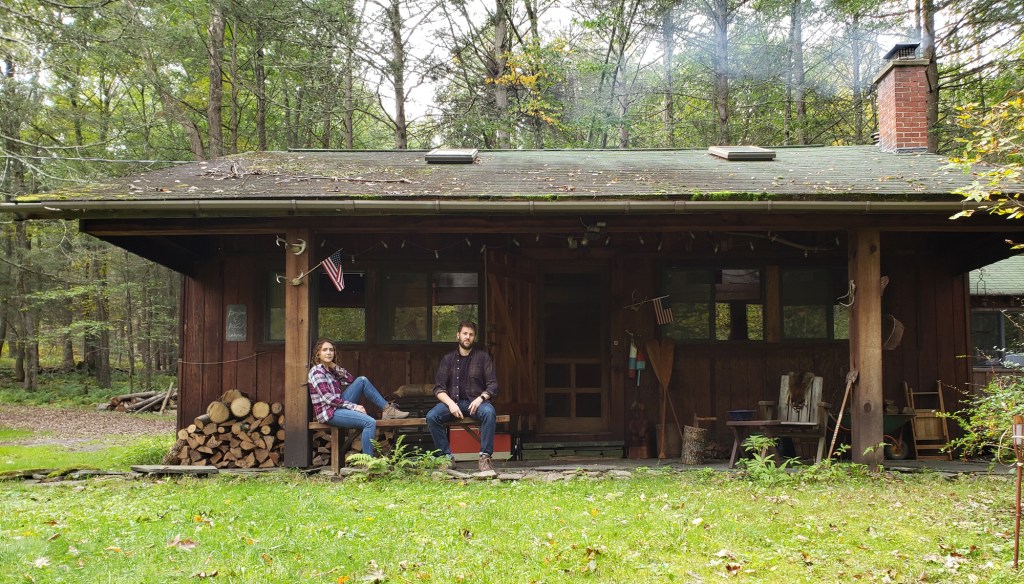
x,y
95,88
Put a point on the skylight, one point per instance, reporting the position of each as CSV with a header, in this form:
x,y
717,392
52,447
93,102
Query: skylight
x,y
742,152
451,156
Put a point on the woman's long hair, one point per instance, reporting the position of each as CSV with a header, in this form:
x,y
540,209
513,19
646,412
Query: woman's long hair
x,y
315,360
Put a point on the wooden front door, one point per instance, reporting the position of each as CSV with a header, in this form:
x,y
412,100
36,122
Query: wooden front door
x,y
511,314
573,376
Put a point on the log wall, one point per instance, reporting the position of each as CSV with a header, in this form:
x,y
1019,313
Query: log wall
x,y
708,378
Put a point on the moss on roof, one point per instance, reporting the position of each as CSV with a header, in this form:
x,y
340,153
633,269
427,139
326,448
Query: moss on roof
x,y
822,173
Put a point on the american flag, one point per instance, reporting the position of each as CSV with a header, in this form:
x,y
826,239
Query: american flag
x,y
661,313
332,266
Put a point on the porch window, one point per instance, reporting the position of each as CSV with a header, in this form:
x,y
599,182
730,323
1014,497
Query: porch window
x,y
809,306
714,304
427,306
341,316
998,337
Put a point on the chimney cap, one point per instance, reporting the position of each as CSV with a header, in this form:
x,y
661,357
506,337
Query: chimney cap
x,y
902,51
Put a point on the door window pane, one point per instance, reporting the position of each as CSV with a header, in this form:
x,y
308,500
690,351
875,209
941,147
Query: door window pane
x,y
455,299
557,405
732,296
405,313
588,405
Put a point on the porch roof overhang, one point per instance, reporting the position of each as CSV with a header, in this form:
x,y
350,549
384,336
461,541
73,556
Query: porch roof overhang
x,y
823,180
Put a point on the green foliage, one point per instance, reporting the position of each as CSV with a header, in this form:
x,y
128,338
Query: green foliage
x,y
994,150
397,461
761,467
145,450
986,419
67,388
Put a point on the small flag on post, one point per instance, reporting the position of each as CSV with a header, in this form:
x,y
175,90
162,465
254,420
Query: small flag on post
x,y
332,266
662,313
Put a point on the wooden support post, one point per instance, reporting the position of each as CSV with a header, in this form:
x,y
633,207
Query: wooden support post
x,y
296,349
868,405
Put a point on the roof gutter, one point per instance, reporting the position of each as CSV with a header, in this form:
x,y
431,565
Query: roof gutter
x,y
279,207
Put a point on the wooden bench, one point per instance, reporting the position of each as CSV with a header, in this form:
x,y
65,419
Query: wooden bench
x,y
338,448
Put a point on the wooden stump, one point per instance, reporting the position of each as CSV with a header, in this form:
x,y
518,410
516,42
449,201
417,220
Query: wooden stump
x,y
695,440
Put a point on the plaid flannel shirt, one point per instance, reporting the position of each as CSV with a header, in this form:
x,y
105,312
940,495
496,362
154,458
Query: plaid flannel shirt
x,y
466,377
325,389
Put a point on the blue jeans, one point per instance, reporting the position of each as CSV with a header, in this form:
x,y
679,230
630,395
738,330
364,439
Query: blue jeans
x,y
439,415
343,418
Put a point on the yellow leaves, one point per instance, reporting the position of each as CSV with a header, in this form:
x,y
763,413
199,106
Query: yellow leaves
x,y
113,549
342,579
594,512
267,559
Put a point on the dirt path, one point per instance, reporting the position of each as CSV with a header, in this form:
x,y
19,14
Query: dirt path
x,y
74,425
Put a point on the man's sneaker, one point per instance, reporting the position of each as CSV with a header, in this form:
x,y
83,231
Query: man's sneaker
x,y
485,463
391,412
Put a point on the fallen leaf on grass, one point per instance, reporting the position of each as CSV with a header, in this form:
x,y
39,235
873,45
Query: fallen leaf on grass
x,y
112,548
267,559
732,569
466,533
205,574
185,544
724,553
41,562
53,537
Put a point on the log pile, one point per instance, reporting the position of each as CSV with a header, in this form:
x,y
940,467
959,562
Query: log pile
x,y
322,446
235,432
143,401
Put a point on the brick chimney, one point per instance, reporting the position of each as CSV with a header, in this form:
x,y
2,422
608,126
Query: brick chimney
x,y
902,89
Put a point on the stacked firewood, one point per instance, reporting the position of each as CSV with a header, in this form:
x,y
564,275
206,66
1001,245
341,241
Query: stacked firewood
x,y
322,446
235,432
143,401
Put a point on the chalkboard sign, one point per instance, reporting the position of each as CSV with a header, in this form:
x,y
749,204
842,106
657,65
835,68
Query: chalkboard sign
x,y
236,322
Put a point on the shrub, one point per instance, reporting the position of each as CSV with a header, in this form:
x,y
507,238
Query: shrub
x,y
145,450
987,417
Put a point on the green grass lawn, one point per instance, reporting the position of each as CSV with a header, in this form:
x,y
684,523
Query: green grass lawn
x,y
657,527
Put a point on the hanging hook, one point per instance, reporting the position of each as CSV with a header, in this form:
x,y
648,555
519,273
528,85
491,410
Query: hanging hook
x,y
850,293
298,248
279,278
281,241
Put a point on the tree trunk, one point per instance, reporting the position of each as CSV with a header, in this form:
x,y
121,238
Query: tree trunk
x,y
260,75
215,48
129,319
102,354
498,60
236,107
931,73
668,42
858,89
720,91
797,48
27,313
397,65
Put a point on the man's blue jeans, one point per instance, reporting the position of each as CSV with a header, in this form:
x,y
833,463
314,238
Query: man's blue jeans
x,y
439,415
343,418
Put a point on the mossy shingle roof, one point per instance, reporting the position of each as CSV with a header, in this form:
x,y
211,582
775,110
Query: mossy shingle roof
x,y
812,173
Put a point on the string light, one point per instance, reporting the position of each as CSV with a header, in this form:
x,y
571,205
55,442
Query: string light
x,y
383,243
468,244
641,238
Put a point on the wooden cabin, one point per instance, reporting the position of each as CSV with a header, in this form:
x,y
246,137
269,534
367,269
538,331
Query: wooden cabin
x,y
997,311
770,261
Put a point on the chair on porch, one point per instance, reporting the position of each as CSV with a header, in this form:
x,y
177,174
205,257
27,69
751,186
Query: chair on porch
x,y
799,414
